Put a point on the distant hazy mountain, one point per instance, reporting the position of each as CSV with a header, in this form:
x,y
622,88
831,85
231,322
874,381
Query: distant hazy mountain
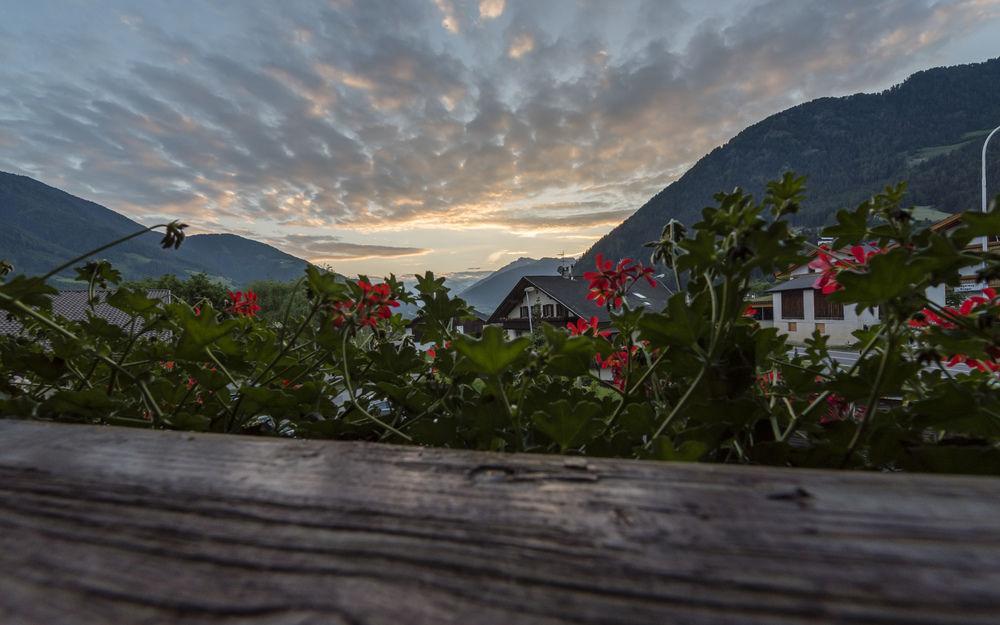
x,y
488,292
928,130
41,227
458,281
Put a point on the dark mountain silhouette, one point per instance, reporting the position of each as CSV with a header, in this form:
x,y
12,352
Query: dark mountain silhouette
x,y
927,130
486,294
41,227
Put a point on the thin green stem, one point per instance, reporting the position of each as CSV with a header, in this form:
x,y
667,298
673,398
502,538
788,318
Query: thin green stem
x,y
796,419
873,398
354,401
222,368
288,308
45,321
678,406
86,255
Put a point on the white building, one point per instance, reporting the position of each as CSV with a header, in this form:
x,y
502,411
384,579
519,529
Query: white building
x,y
800,309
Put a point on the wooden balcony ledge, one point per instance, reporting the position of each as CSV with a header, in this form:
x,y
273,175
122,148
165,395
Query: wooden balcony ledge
x,y
106,525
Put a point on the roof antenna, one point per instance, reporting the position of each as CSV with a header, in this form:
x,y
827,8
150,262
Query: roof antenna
x,y
564,271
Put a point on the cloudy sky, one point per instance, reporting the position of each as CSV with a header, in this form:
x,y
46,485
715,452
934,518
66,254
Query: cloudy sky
x,y
395,135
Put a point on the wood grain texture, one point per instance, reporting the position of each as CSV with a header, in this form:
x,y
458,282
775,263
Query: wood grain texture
x,y
106,525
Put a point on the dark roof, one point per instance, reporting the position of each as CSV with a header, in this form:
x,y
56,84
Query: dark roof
x,y
804,281
572,293
73,305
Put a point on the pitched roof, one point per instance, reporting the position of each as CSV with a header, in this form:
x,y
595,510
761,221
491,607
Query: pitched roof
x,y
572,293
803,281
74,306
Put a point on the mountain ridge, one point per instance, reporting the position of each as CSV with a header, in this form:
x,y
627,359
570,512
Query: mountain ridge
x,y
923,129
487,293
44,226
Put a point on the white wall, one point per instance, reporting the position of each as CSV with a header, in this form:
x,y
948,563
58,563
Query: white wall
x,y
531,299
839,330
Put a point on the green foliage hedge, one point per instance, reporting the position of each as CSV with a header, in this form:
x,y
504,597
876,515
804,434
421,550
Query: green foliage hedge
x,y
699,380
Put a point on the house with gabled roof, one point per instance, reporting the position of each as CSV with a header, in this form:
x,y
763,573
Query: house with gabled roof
x,y
970,284
558,300
75,305
800,308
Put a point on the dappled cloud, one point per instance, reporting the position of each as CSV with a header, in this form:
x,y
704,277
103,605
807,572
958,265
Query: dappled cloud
x,y
316,125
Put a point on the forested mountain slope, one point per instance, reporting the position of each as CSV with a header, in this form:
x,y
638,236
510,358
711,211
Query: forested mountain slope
x,y
927,130
41,227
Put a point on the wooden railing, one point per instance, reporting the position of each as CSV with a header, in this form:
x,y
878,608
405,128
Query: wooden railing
x,y
107,525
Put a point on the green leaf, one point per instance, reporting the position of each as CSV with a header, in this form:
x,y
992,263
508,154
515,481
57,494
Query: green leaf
x,y
491,354
682,324
689,451
188,421
33,292
571,356
851,227
889,276
203,331
325,284
93,402
569,425
968,459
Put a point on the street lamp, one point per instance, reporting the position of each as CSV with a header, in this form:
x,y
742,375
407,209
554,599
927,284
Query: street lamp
x,y
985,145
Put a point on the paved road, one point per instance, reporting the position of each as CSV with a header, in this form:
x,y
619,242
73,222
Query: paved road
x,y
848,358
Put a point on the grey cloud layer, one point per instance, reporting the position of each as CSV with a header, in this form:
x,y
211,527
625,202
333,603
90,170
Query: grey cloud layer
x,y
384,113
321,247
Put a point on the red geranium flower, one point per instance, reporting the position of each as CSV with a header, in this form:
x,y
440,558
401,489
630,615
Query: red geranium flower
x,y
243,304
581,328
828,265
375,303
617,362
611,282
927,318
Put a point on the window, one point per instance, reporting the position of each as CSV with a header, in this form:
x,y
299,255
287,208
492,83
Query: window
x,y
791,305
560,311
825,309
524,312
547,311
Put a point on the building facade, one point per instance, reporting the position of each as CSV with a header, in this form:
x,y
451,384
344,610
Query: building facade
x,y
558,300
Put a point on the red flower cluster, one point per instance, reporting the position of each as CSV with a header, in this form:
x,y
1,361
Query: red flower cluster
x,y
376,302
610,282
617,362
432,350
581,328
927,318
242,304
829,265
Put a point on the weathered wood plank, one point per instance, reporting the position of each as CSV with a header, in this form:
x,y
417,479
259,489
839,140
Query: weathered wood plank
x,y
106,525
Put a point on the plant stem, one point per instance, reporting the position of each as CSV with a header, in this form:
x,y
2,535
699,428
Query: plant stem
x,y
677,407
24,308
287,346
85,255
796,419
354,402
288,309
872,401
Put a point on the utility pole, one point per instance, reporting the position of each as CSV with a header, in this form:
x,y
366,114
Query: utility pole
x,y
986,145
